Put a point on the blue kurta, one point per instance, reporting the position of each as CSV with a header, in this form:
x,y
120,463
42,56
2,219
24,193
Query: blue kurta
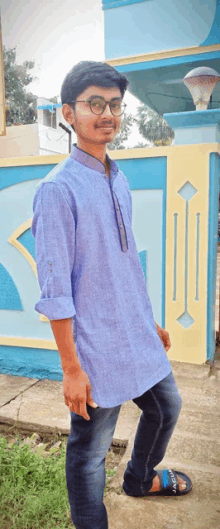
x,y
89,270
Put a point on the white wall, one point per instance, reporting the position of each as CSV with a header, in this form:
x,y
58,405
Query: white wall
x,y
30,140
34,139
52,141
20,140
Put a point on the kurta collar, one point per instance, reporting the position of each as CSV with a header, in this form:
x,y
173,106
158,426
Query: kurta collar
x,y
90,161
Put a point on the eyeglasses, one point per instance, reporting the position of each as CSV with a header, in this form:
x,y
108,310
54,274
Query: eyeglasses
x,y
98,105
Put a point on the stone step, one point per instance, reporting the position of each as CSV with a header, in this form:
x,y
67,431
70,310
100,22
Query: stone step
x,y
198,425
190,448
11,386
39,406
161,513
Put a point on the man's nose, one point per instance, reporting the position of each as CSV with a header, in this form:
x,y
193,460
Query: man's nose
x,y
107,111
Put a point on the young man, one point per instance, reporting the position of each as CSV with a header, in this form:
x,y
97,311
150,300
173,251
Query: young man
x,y
94,293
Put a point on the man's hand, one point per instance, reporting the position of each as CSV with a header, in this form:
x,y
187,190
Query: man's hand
x,y
164,336
76,385
77,392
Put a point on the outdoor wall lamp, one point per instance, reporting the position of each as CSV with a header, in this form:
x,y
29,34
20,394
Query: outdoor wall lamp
x,y
201,83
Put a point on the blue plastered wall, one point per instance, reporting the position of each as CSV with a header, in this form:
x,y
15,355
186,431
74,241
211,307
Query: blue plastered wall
x,y
135,27
20,325
174,220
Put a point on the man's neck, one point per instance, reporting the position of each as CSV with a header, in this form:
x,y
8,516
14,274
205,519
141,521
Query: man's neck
x,y
98,151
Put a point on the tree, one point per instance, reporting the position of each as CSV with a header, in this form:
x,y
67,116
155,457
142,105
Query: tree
x,y
153,127
122,136
53,99
20,104
140,145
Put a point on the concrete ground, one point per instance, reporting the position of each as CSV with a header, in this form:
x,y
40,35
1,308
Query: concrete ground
x,y
194,447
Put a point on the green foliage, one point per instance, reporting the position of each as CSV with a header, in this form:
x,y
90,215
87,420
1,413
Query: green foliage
x,y
140,145
122,136
53,99
111,472
20,104
33,491
153,127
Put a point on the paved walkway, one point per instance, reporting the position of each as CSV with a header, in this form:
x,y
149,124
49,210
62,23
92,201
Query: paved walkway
x,y
194,447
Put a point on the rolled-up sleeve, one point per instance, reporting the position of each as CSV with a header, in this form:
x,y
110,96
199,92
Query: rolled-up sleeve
x,y
53,227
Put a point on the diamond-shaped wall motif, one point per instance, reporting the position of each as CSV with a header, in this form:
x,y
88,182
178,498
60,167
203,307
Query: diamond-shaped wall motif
x,y
186,320
187,191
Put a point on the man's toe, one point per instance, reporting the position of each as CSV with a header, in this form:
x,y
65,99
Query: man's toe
x,y
182,484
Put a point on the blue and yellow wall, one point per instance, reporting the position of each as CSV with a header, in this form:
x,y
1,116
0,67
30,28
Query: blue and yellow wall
x,y
175,210
189,180
27,347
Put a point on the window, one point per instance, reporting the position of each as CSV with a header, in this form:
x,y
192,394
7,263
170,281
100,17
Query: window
x,y
49,118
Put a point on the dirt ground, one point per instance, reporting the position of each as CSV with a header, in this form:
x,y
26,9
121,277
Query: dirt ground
x,y
15,434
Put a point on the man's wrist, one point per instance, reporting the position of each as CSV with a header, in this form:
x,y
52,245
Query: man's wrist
x,y
72,370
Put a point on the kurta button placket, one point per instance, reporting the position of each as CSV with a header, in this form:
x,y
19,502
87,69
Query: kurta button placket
x,y
122,232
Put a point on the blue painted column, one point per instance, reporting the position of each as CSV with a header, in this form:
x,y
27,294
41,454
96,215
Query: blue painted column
x,y
195,127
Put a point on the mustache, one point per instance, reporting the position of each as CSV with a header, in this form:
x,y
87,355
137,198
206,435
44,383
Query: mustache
x,y
108,123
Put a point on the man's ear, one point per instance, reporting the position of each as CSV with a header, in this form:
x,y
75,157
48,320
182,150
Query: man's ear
x,y
68,114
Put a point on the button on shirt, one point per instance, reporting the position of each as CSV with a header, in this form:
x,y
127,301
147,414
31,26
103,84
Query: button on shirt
x,y
89,270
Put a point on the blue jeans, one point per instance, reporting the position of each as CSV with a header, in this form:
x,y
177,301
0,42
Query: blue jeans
x,y
89,442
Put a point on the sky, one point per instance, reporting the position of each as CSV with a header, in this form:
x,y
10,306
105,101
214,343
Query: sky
x,y
56,35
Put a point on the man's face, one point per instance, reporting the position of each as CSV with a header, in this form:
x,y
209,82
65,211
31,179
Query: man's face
x,y
92,128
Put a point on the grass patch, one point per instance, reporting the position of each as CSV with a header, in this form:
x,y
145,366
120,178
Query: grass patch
x,y
33,492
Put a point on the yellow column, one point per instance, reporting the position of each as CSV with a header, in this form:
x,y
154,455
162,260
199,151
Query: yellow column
x,y
187,251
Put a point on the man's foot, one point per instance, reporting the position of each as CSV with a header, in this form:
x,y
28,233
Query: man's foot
x,y
167,482
157,486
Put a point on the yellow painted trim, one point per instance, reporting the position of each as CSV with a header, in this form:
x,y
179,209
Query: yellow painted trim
x,y
32,160
13,239
115,155
152,152
164,54
145,152
43,318
2,90
38,343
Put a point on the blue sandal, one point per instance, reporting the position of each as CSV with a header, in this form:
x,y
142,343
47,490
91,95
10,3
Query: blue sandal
x,y
169,483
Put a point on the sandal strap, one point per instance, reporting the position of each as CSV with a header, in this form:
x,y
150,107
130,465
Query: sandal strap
x,y
169,480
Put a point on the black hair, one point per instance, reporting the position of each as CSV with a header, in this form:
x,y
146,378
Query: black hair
x,y
90,73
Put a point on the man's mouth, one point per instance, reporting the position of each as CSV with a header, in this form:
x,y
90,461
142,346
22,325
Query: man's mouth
x,y
106,126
